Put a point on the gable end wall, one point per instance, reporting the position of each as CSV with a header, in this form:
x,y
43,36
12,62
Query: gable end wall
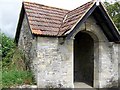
x,y
106,63
27,44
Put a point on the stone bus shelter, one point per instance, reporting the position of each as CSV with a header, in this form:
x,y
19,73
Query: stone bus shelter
x,y
64,48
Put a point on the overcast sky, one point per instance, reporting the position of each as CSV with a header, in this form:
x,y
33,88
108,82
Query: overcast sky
x,y
10,10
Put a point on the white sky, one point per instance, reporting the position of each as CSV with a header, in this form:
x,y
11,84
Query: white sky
x,y
10,10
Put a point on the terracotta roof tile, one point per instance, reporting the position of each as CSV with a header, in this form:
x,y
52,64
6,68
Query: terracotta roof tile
x,y
46,20
73,17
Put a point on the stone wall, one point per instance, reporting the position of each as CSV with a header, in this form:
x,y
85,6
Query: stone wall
x,y
51,58
115,62
48,58
119,63
53,63
105,55
27,44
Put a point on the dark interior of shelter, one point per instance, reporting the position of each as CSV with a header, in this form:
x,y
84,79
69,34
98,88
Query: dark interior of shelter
x,y
84,58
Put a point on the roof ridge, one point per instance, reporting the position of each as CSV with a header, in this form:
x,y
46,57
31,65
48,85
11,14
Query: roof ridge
x,y
45,5
78,7
62,22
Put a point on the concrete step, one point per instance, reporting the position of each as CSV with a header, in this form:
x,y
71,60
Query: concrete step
x,y
81,85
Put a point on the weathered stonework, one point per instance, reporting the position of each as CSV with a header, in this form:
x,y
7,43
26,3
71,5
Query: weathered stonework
x,y
106,62
53,61
27,43
119,65
51,58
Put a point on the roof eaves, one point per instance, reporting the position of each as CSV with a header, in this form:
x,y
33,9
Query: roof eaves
x,y
31,30
93,6
109,17
29,24
116,31
21,16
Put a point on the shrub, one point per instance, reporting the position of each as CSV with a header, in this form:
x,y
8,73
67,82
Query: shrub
x,y
13,65
15,73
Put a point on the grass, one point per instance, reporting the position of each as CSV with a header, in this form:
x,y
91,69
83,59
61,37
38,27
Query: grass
x,y
16,77
15,73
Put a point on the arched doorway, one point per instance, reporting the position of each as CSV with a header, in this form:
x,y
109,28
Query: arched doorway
x,y
84,58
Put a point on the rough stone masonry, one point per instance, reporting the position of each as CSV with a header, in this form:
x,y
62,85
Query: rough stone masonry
x,y
51,59
88,54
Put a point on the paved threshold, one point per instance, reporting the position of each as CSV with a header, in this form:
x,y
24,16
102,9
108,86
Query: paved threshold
x,y
81,85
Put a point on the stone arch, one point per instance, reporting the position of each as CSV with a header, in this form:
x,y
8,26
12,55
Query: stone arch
x,y
92,50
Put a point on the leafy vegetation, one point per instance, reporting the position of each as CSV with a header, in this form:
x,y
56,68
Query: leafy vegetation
x,y
114,11
13,67
8,49
15,77
7,44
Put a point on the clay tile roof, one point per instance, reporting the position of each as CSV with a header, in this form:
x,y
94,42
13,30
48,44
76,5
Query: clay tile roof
x,y
44,20
74,16
51,21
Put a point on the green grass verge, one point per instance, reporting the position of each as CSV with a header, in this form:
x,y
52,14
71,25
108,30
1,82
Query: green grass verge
x,y
14,73
16,77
